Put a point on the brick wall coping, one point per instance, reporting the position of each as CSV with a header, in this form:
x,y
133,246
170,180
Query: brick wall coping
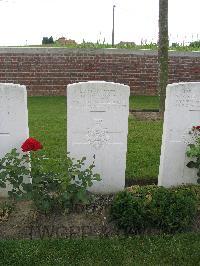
x,y
107,51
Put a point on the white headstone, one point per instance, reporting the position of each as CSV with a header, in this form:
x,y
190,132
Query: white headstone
x,y
182,112
13,119
97,124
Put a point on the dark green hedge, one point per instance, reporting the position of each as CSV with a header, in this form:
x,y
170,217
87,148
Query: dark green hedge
x,y
169,209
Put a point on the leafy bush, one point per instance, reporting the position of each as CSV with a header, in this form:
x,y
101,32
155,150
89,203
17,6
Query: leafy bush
x,y
13,167
56,183
193,150
169,209
129,209
59,183
196,190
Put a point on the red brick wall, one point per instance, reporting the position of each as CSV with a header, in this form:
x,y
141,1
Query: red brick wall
x,y
47,71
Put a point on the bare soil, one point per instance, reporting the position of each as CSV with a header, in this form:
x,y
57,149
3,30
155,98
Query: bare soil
x,y
25,222
146,115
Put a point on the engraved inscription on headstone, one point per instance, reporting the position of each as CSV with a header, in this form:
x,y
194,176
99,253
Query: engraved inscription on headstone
x,y
96,100
182,112
13,120
97,124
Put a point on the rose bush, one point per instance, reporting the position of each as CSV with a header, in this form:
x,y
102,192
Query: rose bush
x,y
57,183
193,150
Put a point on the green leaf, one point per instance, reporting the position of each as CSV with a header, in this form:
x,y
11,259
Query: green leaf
x,y
27,187
83,159
97,177
191,164
66,195
191,146
81,196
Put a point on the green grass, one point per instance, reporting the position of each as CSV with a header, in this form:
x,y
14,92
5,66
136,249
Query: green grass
x,y
182,249
143,154
47,123
144,102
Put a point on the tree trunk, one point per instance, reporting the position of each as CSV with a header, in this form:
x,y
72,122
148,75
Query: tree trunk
x,y
163,53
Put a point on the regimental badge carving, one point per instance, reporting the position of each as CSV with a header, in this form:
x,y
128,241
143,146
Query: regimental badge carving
x,y
98,136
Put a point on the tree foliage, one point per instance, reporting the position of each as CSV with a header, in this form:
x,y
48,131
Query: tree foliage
x,y
47,40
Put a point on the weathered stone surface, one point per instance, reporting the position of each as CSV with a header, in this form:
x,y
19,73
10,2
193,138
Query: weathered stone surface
x,y
13,119
182,112
97,126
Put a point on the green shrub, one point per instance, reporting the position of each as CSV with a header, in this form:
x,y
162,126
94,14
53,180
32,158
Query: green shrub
x,y
173,210
169,209
130,208
196,190
56,183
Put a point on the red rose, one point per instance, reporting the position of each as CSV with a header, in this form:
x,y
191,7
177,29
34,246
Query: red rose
x,y
31,144
196,128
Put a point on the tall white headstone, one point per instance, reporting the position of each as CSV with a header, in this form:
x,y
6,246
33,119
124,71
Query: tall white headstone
x,y
97,124
13,120
182,112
